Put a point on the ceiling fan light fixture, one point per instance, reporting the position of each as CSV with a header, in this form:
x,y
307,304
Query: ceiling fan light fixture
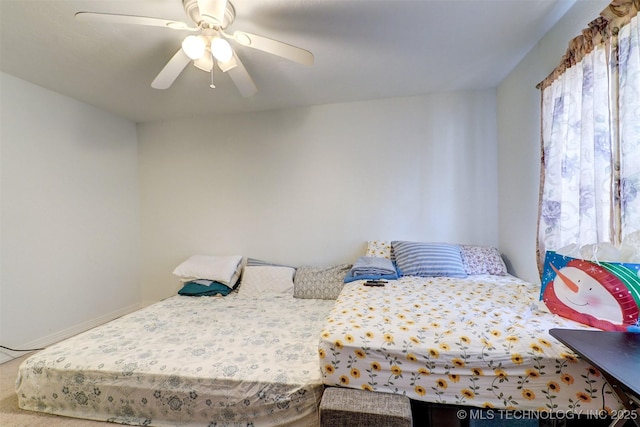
x,y
221,49
207,49
194,47
228,65
205,62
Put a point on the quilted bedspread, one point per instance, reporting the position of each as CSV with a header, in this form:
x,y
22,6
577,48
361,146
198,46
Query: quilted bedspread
x,y
187,361
481,341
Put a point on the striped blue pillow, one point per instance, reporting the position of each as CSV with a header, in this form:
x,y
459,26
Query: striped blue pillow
x,y
428,259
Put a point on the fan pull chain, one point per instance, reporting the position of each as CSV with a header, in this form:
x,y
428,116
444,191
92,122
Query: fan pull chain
x,y
213,65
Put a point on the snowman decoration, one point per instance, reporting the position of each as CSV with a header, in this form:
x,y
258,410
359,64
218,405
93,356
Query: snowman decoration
x,y
594,294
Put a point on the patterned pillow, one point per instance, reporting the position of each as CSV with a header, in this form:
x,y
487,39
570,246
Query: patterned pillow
x,y
266,280
379,248
482,260
428,259
319,283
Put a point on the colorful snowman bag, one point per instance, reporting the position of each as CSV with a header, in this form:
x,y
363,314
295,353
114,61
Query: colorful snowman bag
x,y
605,295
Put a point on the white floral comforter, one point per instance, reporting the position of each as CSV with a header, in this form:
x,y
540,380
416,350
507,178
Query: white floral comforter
x,y
481,341
187,361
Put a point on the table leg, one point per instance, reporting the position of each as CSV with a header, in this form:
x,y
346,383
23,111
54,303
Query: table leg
x,y
629,402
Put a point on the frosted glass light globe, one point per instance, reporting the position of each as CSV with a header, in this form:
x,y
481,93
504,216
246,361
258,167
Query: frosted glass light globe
x,y
221,49
194,47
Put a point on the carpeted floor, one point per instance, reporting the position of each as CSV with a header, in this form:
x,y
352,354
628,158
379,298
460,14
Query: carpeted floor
x,y
12,416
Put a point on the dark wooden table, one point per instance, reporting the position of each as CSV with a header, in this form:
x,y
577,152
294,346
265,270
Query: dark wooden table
x,y
617,356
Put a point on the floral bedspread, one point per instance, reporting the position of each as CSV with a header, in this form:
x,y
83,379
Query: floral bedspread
x,y
187,361
481,341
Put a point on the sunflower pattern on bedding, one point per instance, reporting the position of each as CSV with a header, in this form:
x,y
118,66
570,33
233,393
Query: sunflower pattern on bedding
x,y
480,341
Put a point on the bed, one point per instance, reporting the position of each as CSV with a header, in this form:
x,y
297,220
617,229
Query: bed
x,y
187,361
481,341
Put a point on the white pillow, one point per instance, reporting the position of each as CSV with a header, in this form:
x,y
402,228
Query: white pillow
x,y
222,269
258,281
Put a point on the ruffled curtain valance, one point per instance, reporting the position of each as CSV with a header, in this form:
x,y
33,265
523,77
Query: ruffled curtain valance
x,y
599,31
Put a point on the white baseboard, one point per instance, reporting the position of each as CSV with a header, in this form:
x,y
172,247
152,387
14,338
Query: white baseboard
x,y
7,355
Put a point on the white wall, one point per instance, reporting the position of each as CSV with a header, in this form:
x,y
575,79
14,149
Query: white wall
x,y
519,138
311,185
69,215
302,186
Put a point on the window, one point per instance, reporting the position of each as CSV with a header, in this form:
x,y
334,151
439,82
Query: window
x,y
590,158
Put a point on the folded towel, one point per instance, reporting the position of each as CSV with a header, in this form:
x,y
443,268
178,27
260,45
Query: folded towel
x,y
367,265
351,278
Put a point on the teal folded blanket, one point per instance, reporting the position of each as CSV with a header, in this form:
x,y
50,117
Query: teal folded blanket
x,y
200,288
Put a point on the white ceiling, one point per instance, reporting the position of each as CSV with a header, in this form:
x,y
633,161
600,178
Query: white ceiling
x,y
364,49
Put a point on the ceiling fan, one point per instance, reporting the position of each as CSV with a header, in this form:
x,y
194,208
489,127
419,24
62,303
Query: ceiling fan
x,y
208,47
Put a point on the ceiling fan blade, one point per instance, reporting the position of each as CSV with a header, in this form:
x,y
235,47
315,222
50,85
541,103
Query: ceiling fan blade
x,y
241,77
171,70
132,19
212,11
275,47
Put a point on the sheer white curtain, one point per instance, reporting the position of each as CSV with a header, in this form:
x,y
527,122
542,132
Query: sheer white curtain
x,y
576,137
590,166
629,102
